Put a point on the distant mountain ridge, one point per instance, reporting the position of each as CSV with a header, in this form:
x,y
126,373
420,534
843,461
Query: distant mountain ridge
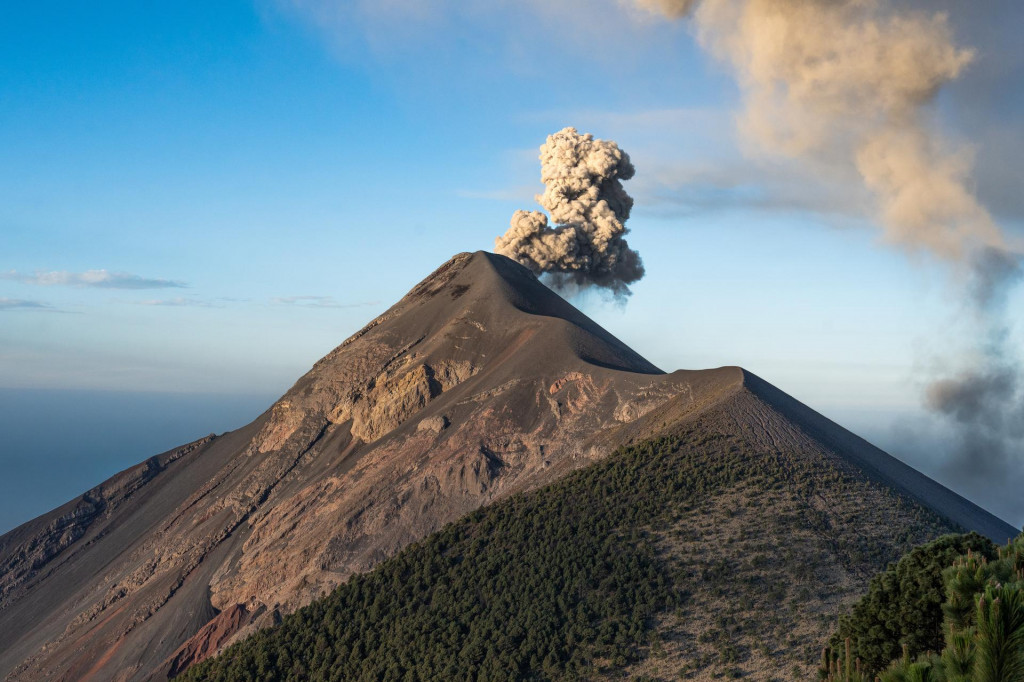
x,y
479,384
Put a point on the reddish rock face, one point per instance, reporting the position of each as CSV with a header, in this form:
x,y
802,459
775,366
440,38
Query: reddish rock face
x,y
209,639
479,384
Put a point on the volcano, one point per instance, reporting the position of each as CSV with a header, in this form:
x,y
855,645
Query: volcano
x,y
480,384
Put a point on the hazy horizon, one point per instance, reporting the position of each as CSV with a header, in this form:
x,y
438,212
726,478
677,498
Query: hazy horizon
x,y
57,444
102,432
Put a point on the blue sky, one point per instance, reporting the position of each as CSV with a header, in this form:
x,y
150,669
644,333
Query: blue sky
x,y
205,198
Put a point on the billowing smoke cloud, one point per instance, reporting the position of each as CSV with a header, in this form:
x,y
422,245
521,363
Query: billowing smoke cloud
x,y
984,399
985,404
847,84
589,208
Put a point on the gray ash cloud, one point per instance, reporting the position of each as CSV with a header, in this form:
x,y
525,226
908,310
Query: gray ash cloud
x,y
584,243
983,400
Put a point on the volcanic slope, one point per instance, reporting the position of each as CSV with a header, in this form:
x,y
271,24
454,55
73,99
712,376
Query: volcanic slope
x,y
699,555
479,384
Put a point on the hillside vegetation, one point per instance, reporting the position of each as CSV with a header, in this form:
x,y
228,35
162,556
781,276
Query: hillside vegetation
x,y
609,571
956,619
903,605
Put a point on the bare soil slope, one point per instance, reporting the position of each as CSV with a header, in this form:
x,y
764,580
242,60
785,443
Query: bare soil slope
x,y
478,384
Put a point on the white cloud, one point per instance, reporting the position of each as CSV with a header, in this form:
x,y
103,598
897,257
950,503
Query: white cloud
x,y
671,188
179,302
98,279
318,302
22,304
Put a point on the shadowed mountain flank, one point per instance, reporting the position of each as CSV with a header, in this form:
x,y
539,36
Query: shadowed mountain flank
x,y
479,384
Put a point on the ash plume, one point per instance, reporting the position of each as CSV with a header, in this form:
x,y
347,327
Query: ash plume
x,y
984,399
848,84
583,193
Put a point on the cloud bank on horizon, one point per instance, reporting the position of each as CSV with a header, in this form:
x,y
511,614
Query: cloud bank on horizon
x,y
589,207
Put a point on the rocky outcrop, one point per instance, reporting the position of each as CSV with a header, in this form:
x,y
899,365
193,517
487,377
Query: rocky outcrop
x,y
433,425
397,394
208,641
